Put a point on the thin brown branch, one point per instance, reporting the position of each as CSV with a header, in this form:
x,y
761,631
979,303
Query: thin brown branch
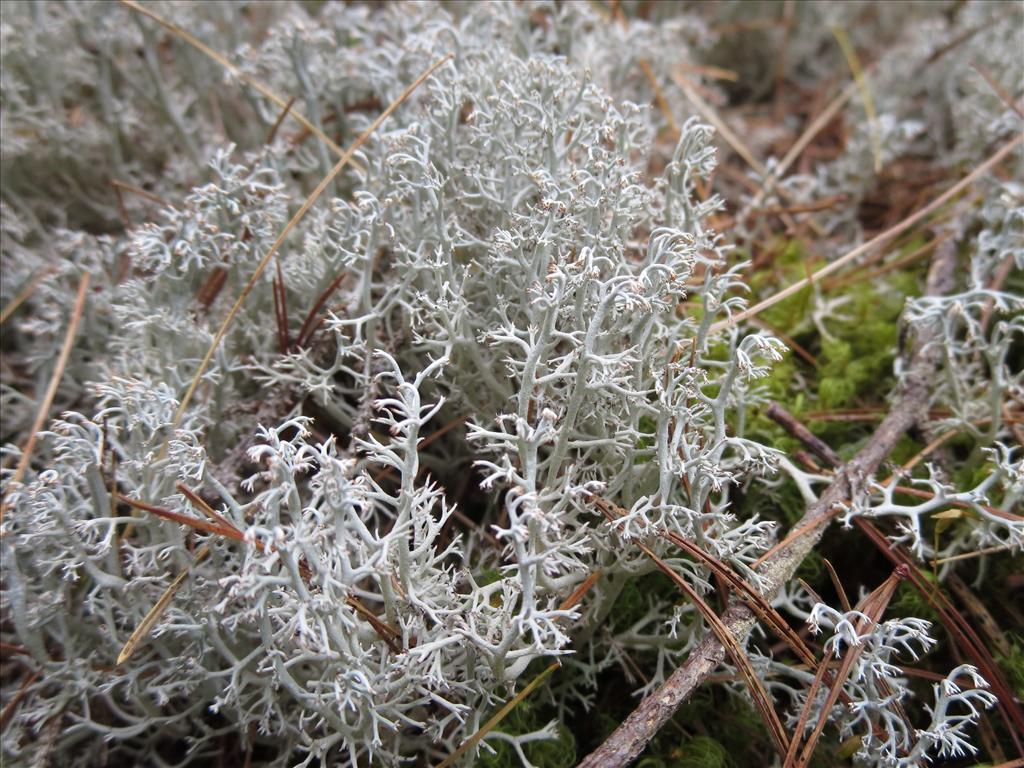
x,y
911,397
762,699
785,419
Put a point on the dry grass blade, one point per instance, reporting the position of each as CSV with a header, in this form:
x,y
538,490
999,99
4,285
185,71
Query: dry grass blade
x,y
817,126
865,92
299,215
971,555
762,700
159,608
997,88
796,533
500,715
203,48
877,240
712,117
51,389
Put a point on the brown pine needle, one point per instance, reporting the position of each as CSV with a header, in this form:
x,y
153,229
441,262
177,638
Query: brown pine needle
x,y
877,240
228,531
51,390
200,504
500,715
580,591
203,48
23,294
143,193
299,215
959,628
385,631
224,527
867,275
873,607
281,308
159,608
844,601
743,589
280,119
761,698
997,88
659,97
211,287
12,705
310,324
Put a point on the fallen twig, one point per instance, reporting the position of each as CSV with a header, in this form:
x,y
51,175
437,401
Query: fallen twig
x,y
630,738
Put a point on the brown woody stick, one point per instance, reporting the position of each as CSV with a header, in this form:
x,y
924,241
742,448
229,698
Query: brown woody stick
x,y
911,397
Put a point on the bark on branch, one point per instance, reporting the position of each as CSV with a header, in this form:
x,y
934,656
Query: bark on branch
x,y
908,402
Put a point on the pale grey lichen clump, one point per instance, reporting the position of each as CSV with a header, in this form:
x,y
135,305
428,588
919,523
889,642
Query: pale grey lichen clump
x,y
515,249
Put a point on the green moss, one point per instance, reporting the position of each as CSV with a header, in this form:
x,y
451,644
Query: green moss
x,y
812,569
910,602
634,600
488,576
528,717
702,752
905,450
1013,664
